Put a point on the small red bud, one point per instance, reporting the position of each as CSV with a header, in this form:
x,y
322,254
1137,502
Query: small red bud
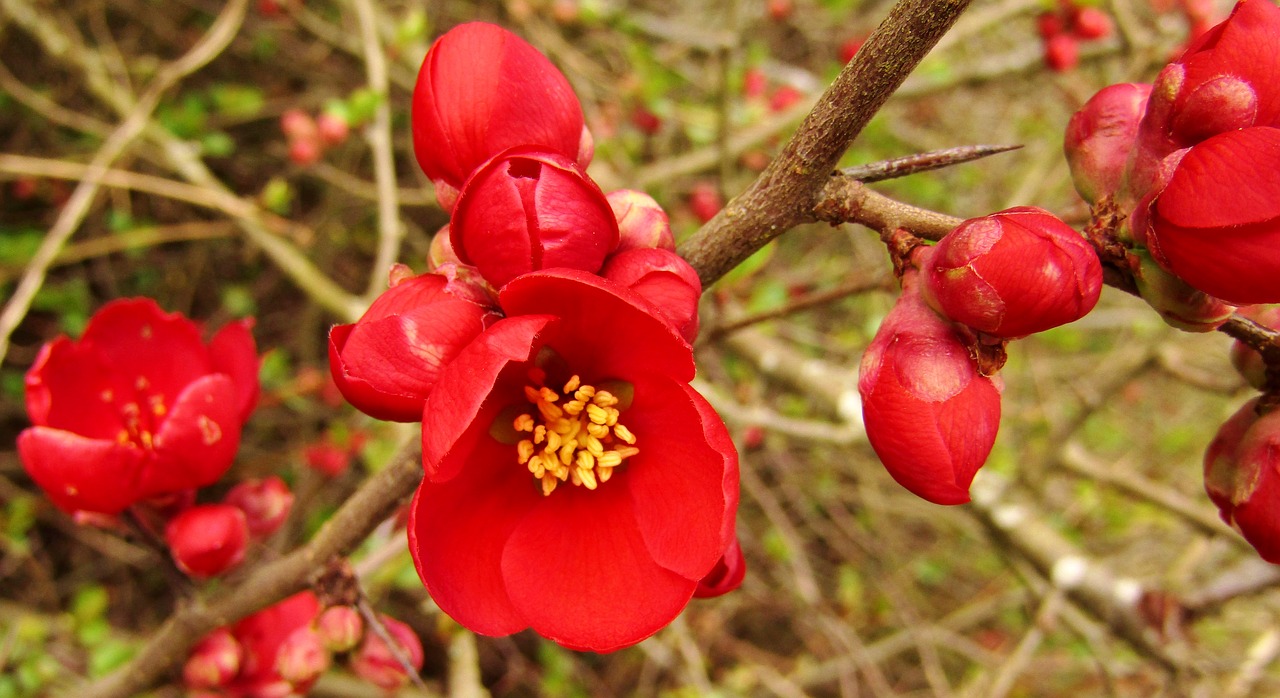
x,y
298,125
340,628
208,539
214,661
265,504
304,151
705,201
1091,23
1061,53
376,663
302,657
332,128
641,221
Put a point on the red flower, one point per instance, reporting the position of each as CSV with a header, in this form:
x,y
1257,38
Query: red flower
x,y
482,90
1242,477
1013,273
1216,222
208,539
140,406
386,363
1227,79
260,637
1100,138
575,483
527,210
930,416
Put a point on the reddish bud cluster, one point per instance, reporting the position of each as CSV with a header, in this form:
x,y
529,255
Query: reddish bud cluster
x,y
309,137
1062,30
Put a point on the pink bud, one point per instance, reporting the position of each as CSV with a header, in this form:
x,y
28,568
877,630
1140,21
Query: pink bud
x,y
1101,136
930,415
305,151
525,210
645,121
265,504
1091,23
641,221
376,663
1013,273
1061,53
665,280
1247,361
1242,477
753,83
785,97
726,576
207,539
302,658
1178,304
705,201
333,128
1049,25
340,628
296,124
214,661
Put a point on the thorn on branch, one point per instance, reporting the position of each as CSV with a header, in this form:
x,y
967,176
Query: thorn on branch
x,y
923,162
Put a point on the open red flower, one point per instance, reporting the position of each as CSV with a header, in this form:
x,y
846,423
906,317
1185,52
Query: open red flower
x,y
1213,217
140,406
930,415
575,483
527,210
482,90
386,362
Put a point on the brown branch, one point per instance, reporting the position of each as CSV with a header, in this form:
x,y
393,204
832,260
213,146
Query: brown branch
x,y
363,511
783,195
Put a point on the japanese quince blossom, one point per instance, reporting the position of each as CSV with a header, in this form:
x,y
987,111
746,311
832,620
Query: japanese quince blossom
x,y
140,406
1012,273
1242,477
930,415
575,483
482,90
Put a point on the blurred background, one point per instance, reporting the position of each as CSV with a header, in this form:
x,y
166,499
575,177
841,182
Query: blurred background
x,y
1091,562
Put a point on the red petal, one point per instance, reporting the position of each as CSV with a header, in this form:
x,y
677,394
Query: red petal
x,y
1245,48
82,474
392,403
469,395
596,311
233,352
1226,181
579,572
68,388
664,279
262,633
458,529
684,481
1236,265
139,340
198,439
482,90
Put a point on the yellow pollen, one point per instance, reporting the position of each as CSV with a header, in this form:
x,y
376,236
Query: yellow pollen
x,y
578,439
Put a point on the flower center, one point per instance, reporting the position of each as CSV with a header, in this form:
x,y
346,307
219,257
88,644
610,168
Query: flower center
x,y
140,416
576,439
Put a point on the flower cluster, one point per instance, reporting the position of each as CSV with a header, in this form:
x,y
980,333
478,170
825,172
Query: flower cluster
x,y
283,649
137,415
931,399
1063,28
574,482
1189,164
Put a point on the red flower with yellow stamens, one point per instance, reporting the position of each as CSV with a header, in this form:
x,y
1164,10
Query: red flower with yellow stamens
x,y
140,406
575,483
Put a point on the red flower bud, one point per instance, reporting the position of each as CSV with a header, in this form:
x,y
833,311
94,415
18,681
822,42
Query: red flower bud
x,y
525,211
850,47
1247,361
1221,83
386,363
1013,273
663,279
1242,477
1091,23
726,576
297,125
138,407
213,662
1100,138
785,97
930,416
1061,53
340,628
302,657
1216,223
265,504
1049,25
482,90
641,221
705,201
207,539
332,128
376,663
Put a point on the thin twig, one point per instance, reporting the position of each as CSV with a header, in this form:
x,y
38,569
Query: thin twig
x,y
378,133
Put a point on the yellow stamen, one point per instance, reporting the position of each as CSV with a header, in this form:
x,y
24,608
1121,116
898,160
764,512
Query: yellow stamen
x,y
577,439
